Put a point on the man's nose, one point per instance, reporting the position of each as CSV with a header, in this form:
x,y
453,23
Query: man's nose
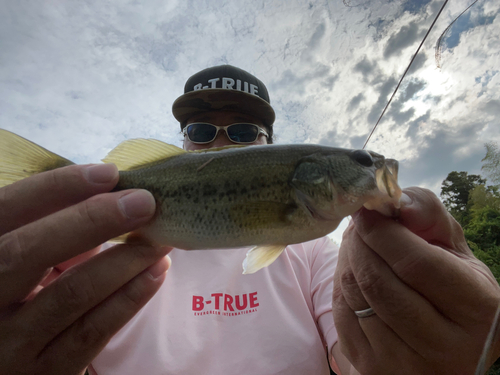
x,y
221,139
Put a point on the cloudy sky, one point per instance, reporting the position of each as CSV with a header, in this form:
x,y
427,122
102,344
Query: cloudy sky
x,y
80,76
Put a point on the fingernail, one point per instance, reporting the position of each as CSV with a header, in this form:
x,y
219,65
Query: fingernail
x,y
405,200
137,204
101,173
159,268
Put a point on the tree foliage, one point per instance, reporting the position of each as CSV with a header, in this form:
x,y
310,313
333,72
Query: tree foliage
x,y
483,236
455,191
482,196
477,208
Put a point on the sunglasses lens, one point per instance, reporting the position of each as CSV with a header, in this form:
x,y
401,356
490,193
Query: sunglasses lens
x,y
243,133
201,132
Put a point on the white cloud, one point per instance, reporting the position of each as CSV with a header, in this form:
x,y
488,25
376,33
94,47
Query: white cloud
x,y
79,77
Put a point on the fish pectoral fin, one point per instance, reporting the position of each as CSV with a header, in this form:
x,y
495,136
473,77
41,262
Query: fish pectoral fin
x,y
20,158
119,239
261,256
136,153
312,210
131,238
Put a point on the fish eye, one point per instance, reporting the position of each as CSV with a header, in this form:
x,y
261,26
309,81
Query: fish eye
x,y
363,158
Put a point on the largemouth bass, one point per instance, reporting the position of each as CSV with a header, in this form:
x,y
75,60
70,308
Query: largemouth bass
x,y
263,196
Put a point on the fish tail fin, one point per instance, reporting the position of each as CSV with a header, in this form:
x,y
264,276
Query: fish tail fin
x,y
261,256
20,158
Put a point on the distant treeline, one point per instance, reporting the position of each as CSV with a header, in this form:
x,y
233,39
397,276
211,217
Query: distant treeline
x,y
475,204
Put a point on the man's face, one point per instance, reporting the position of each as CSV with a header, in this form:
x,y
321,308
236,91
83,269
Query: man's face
x,y
222,118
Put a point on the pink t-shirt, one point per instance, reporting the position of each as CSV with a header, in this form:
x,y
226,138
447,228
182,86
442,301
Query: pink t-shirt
x,y
208,318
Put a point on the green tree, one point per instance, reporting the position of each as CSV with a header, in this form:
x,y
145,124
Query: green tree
x,y
483,230
483,236
455,191
482,196
477,208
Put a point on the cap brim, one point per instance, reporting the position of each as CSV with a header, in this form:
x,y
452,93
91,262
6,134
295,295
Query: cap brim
x,y
200,101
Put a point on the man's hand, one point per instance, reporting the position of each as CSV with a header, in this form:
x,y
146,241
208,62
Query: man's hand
x,y
434,301
51,324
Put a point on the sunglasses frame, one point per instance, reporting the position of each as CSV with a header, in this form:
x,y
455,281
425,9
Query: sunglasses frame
x,y
261,131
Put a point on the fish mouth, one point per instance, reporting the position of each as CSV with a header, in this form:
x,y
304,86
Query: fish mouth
x,y
387,178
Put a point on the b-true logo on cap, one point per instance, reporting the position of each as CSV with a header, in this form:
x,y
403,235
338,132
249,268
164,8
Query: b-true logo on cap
x,y
224,88
228,83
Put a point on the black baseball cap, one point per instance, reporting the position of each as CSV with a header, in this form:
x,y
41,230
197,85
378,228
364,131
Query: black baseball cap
x,y
224,88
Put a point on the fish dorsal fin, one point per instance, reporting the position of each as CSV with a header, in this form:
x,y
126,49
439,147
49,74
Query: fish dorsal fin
x,y
20,158
135,153
261,256
218,148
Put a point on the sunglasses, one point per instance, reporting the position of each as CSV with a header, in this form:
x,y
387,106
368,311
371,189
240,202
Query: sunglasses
x,y
202,132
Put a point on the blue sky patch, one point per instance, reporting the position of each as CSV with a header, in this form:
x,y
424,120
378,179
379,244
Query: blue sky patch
x,y
414,6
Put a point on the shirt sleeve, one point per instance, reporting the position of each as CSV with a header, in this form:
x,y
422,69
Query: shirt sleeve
x,y
323,263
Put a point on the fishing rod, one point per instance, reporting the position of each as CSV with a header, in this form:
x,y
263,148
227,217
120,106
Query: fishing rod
x,y
495,325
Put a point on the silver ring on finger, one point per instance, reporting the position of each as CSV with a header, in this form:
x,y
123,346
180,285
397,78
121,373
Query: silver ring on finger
x,y
365,313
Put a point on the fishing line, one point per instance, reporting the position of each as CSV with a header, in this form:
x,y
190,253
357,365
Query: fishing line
x,y
481,366
404,74
437,55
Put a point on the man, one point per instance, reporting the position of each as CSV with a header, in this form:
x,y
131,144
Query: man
x,y
433,301
208,317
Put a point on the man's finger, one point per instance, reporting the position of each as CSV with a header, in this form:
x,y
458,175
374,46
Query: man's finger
x,y
403,309
350,289
80,258
352,340
40,195
389,349
77,346
367,341
424,214
86,285
441,275
27,252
